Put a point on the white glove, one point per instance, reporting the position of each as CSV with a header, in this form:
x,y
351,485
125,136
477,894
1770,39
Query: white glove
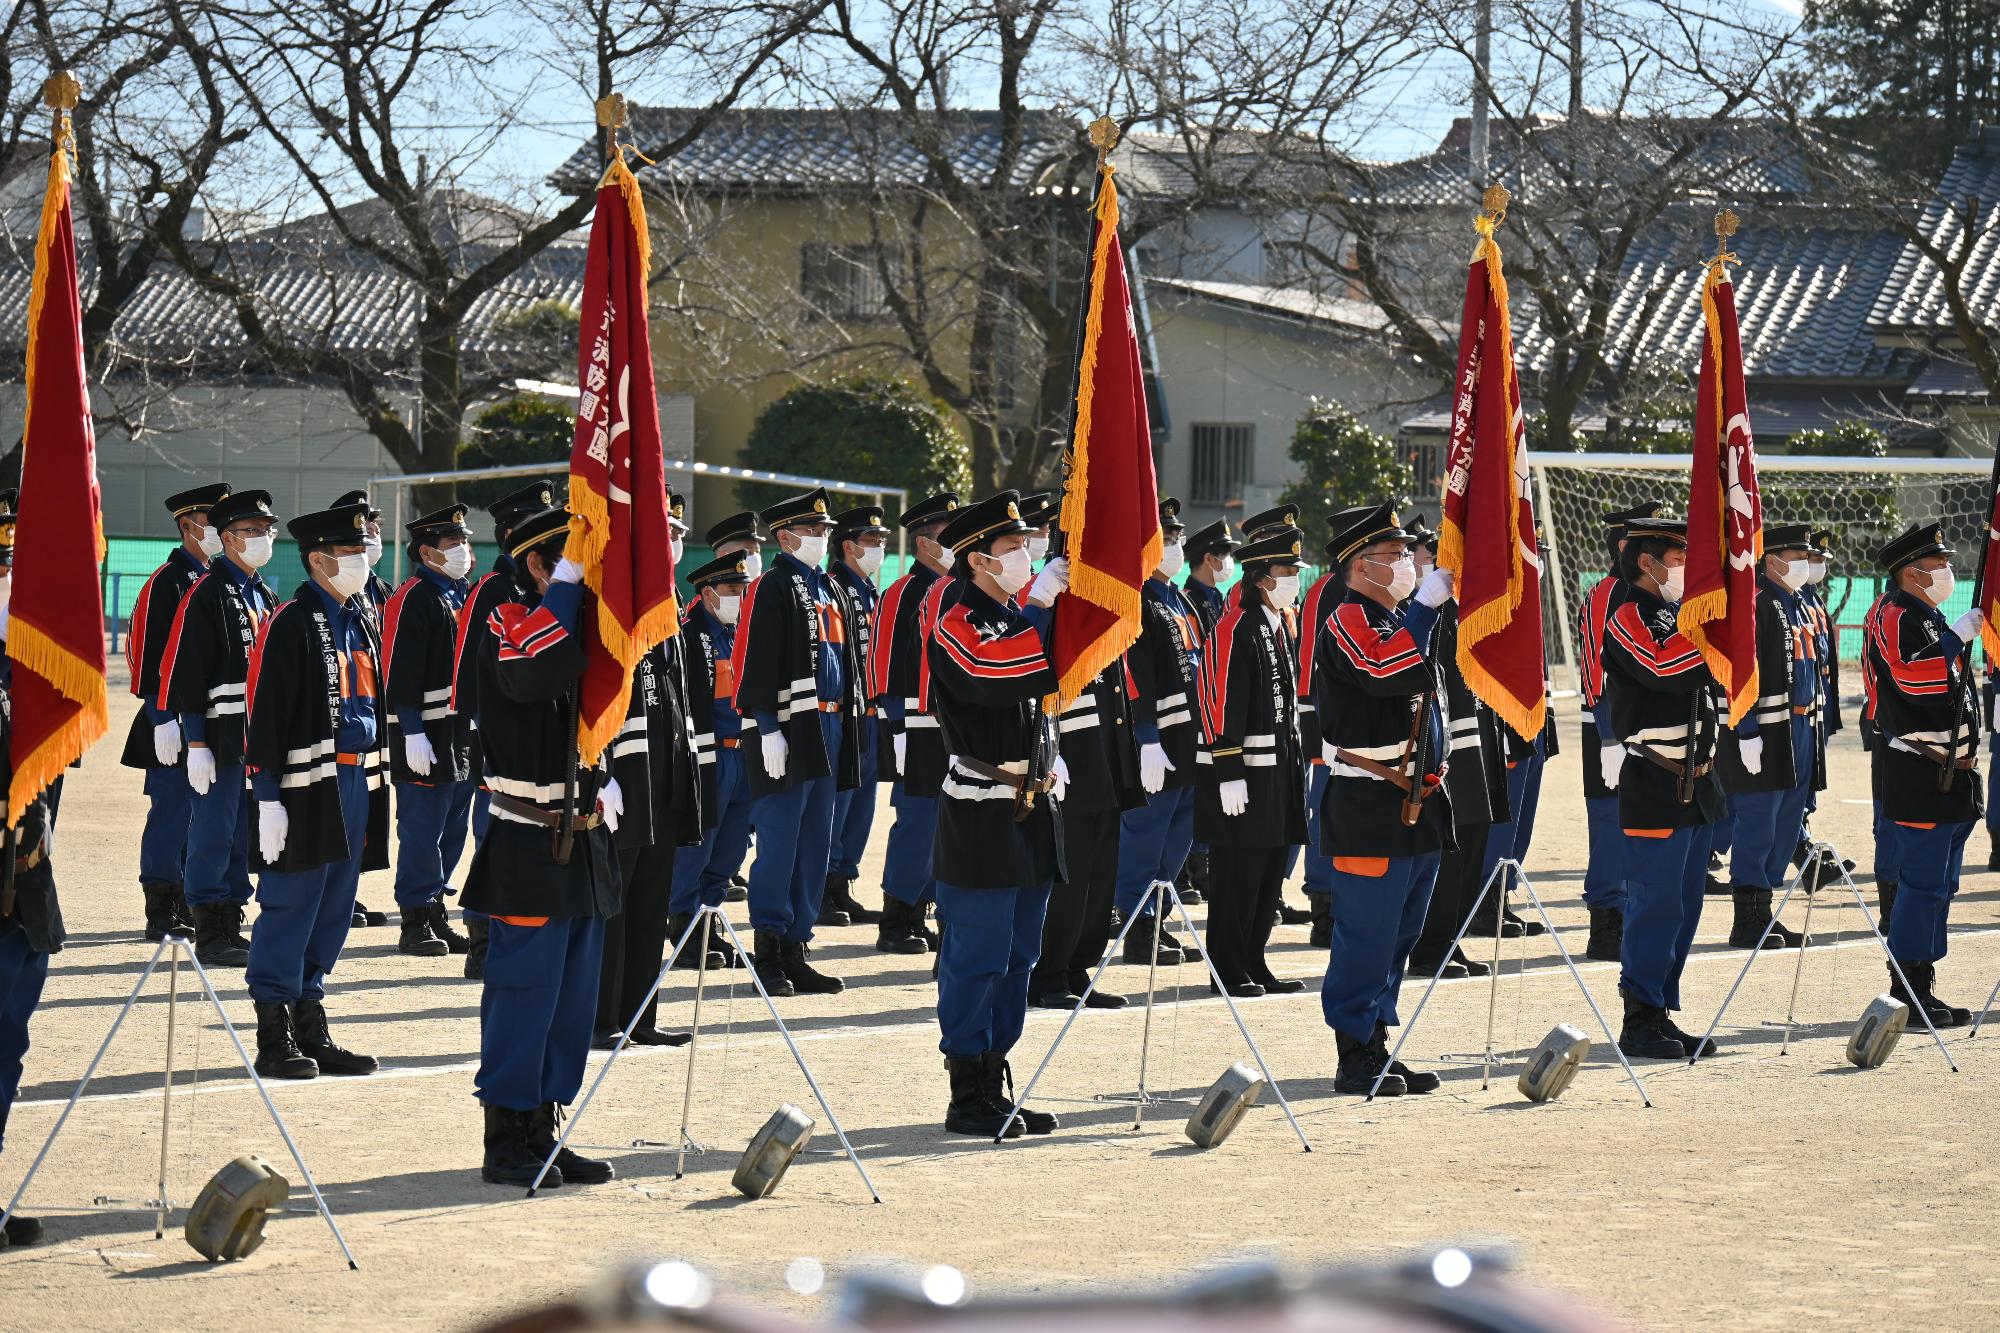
x,y
201,769
1327,750
1053,579
775,751
1154,767
1436,589
1061,775
1751,748
567,571
1967,626
167,742
419,754
901,744
1235,796
1611,762
272,826
611,803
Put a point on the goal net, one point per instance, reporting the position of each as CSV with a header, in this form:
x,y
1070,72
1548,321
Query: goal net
x,y
1863,501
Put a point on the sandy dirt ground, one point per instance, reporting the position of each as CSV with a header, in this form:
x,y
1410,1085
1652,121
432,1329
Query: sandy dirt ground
x,y
1762,1190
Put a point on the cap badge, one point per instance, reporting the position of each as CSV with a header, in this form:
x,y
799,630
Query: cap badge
x,y
360,522
1013,510
819,506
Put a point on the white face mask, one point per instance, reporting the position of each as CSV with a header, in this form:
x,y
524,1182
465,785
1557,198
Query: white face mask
x,y
1285,591
1015,570
1228,570
753,564
871,560
257,551
1171,559
211,543
1038,547
728,607
371,549
457,562
1676,582
351,577
1795,574
1943,581
811,550
946,558
677,545
1818,568
6,589
1402,575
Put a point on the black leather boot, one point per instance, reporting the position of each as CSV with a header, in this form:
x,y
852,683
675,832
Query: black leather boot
x,y
1192,882
1360,1062
510,1156
162,914
859,915
1885,903
215,937
690,959
478,931
368,916
770,964
1413,1080
418,939
1607,935
1322,920
805,978
1139,945
1992,848
1694,1046
454,940
1922,977
315,1042
831,913
900,930
970,1111
1753,913
278,1053
1645,1036
998,1077
544,1128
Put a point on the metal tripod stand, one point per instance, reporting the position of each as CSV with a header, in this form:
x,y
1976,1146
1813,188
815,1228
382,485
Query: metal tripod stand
x,y
702,921
1493,987
1821,853
175,946
1162,891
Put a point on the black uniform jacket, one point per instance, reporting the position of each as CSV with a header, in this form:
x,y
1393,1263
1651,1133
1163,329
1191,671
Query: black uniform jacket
x,y
988,676
653,758
1598,605
1786,649
710,679
895,685
294,720
1318,603
1251,709
476,617
1379,687
1927,707
1663,707
1098,748
1209,604
1477,777
206,665
36,910
420,645
778,643
864,605
146,643
529,668
1166,667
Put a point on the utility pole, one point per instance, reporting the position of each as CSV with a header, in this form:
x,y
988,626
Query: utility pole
x,y
1482,59
1575,59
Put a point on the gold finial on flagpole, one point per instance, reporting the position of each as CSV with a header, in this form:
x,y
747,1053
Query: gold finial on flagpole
x,y
613,115
1492,209
1104,135
1726,223
60,93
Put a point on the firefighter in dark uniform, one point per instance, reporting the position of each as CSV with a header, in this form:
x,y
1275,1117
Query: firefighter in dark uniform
x,y
1769,761
708,639
430,741
315,743
376,597
1316,605
653,759
1927,761
1830,722
860,539
546,879
1275,522
1165,665
1211,566
999,844
1386,818
203,674
800,696
154,744
1664,705
31,924
1250,807
739,534
912,750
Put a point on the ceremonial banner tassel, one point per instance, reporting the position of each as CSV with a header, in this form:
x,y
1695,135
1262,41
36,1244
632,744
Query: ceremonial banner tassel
x,y
1487,536
1110,514
617,472
1725,511
56,636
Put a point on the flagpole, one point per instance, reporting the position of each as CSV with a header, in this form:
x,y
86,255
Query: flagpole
x,y
1104,136
1986,539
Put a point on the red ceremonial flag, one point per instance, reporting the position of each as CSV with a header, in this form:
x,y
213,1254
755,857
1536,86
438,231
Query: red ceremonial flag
x,y
1487,536
56,637
1725,511
1988,590
1110,514
617,473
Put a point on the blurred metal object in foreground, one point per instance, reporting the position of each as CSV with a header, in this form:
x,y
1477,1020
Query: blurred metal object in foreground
x,y
1467,1291
1876,1035
1552,1065
772,1148
1224,1104
227,1219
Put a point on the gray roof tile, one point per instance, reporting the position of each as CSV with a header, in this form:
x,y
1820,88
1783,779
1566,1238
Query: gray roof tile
x,y
1913,299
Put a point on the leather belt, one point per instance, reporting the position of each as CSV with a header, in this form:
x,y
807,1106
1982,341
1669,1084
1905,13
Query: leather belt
x,y
1673,766
992,773
1381,770
728,742
32,859
534,814
1804,710
347,758
1963,763
826,707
